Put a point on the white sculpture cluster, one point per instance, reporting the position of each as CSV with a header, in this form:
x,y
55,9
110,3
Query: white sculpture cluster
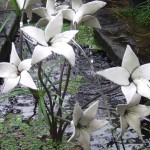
x,y
133,78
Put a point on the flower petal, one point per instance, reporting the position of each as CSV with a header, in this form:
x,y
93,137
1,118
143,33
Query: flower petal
x,y
61,7
41,51
96,124
40,11
89,20
42,22
10,83
135,123
76,4
124,126
14,58
130,60
77,114
27,80
89,114
54,27
121,108
84,139
35,33
66,50
140,110
117,75
25,65
142,72
135,100
129,91
75,134
64,36
89,8
29,12
142,88
50,6
68,14
7,70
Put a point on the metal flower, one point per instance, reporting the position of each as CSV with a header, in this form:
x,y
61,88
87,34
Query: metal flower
x,y
82,13
16,72
130,114
26,5
49,12
51,40
132,77
85,123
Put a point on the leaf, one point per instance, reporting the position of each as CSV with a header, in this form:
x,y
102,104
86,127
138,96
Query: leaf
x,y
15,6
5,22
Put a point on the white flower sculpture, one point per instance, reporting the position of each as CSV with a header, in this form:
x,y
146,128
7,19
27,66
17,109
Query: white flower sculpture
x,y
51,40
49,12
26,5
82,13
131,113
85,123
132,77
16,72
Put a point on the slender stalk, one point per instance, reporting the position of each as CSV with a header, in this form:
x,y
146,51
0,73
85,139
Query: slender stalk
x,y
53,129
61,77
67,81
21,38
99,95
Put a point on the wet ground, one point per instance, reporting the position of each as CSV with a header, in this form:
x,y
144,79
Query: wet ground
x,y
90,87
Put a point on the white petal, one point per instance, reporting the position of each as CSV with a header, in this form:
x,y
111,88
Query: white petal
x,y
64,36
77,114
50,6
41,11
66,50
41,51
68,14
27,80
75,134
54,27
14,58
121,108
117,75
89,114
10,83
84,139
7,70
35,33
89,20
29,12
124,126
142,72
96,124
140,110
130,60
76,4
142,88
134,122
42,22
25,65
135,100
89,8
129,91
61,7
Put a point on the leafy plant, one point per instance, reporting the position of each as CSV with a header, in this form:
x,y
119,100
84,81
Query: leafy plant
x,y
140,13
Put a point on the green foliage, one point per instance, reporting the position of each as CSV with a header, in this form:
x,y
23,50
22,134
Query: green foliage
x,y
74,84
85,36
15,134
5,22
140,14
